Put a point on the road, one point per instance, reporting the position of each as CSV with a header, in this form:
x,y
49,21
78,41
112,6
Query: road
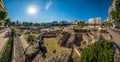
x,y
24,42
115,37
3,39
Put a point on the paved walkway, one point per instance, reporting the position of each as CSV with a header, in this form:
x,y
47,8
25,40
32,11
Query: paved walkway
x,y
115,37
24,42
3,39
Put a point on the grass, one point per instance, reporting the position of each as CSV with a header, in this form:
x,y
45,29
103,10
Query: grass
x,y
57,28
5,55
75,57
51,44
78,27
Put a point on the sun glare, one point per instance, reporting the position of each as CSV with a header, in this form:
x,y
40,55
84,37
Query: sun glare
x,y
32,10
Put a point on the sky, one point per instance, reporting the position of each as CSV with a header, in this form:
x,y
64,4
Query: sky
x,y
56,10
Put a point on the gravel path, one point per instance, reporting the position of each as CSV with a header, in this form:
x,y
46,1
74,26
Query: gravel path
x,y
24,42
3,39
115,37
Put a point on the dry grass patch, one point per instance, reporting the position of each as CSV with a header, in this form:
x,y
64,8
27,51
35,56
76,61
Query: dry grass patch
x,y
52,44
58,28
75,57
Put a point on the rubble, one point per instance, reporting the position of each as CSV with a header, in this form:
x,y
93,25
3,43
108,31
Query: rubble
x,y
65,56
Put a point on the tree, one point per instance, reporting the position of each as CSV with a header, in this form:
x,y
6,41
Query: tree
x,y
30,38
3,14
7,22
100,51
1,23
107,24
14,31
17,23
13,23
81,23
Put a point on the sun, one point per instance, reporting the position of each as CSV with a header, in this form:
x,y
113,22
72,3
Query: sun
x,y
32,10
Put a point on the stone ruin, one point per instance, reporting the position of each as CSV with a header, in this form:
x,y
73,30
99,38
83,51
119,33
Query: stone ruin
x,y
35,48
63,37
69,37
65,56
36,51
52,34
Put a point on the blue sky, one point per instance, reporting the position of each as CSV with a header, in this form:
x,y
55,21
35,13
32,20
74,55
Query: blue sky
x,y
57,10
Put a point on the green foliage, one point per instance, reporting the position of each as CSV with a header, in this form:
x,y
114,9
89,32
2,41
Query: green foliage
x,y
7,22
5,56
3,14
117,5
1,23
107,24
116,13
30,38
81,23
100,51
14,31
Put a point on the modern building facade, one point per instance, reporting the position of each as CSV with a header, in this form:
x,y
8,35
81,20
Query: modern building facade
x,y
75,22
112,7
1,5
96,20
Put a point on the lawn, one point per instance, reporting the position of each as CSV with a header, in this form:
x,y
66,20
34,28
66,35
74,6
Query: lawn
x,y
52,44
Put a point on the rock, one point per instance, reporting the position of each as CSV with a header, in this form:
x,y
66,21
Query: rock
x,y
63,37
78,39
65,56
34,48
71,40
105,36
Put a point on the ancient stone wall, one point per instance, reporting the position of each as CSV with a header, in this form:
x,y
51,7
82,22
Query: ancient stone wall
x,y
36,50
65,56
18,51
63,37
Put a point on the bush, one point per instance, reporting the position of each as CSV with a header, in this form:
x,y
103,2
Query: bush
x,y
100,51
81,24
30,38
14,31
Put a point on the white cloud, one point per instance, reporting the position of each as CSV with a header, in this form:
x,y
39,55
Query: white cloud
x,y
48,4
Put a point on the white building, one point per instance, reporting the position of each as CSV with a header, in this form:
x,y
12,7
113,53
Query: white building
x,y
75,22
96,20
1,5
